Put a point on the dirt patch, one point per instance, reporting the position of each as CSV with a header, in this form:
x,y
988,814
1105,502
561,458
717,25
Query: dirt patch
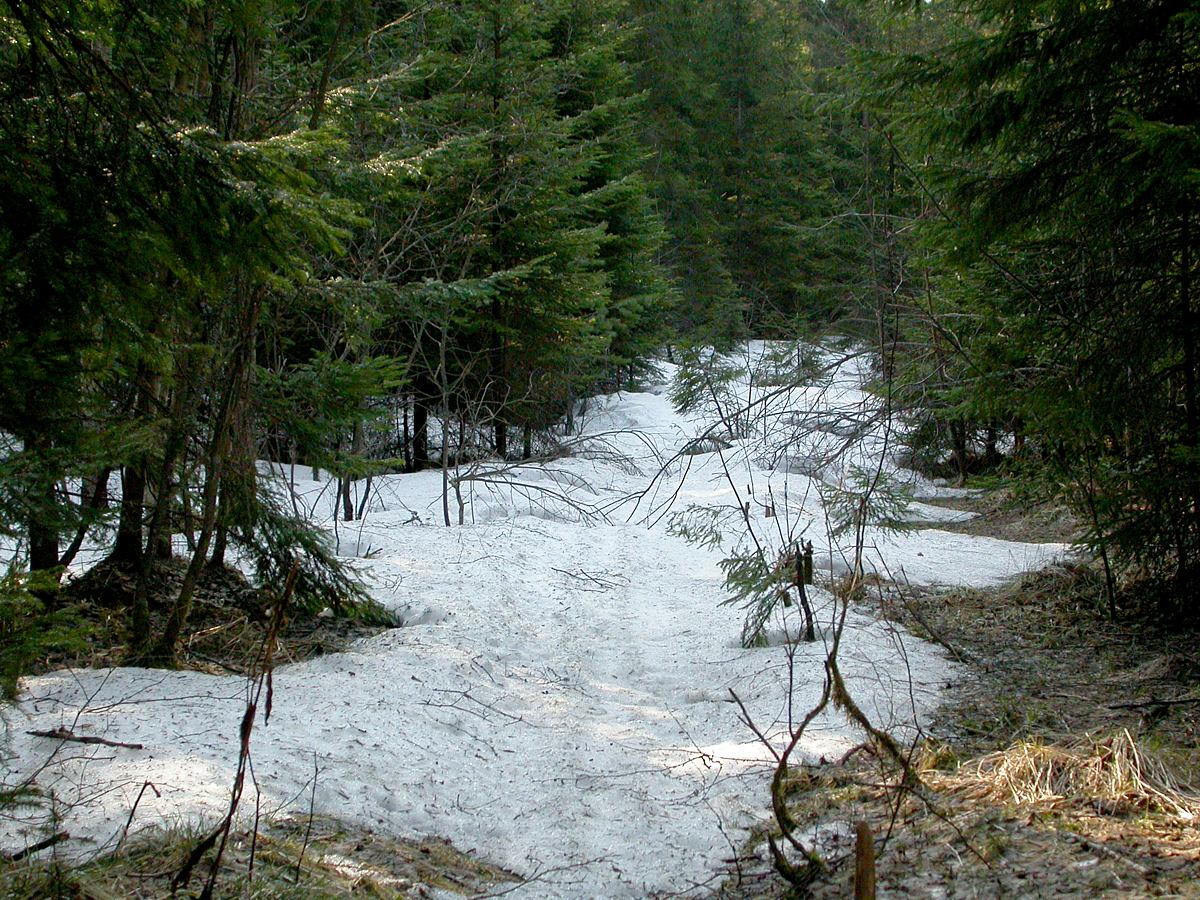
x,y
226,627
320,858
1003,514
1064,763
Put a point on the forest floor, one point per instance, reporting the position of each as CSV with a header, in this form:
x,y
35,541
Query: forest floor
x,y
1061,765
229,620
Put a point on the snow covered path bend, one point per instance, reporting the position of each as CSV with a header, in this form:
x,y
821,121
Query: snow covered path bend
x,y
558,704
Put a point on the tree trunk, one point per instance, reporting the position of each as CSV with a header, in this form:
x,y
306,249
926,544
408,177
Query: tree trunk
x,y
43,536
322,90
127,549
220,544
991,444
93,497
159,524
164,652
346,500
420,431
406,447
1188,331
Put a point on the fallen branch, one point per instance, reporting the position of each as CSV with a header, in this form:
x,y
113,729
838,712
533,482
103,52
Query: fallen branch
x,y
1155,703
19,855
935,635
62,734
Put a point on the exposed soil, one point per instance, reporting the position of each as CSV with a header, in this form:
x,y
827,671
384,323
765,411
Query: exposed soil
x,y
226,628
318,858
1001,514
1061,765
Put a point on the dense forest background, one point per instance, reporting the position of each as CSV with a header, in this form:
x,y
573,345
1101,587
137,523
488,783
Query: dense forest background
x,y
378,236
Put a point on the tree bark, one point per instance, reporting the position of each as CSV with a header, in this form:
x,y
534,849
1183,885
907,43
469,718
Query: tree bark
x,y
164,652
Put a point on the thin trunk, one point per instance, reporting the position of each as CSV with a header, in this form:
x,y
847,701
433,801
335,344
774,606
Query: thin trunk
x,y
499,351
94,497
422,390
991,444
187,516
406,449
346,499
366,497
165,651
43,536
346,483
173,450
958,438
235,505
327,67
444,377
1188,330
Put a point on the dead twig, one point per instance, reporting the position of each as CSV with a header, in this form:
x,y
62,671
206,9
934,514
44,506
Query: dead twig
x,y
1105,850
261,683
133,811
1155,703
312,802
62,734
748,721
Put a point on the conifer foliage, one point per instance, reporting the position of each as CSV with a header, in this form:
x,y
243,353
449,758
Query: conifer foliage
x,y
1067,148
250,230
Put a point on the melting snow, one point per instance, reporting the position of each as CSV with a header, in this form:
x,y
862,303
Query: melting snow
x,y
559,700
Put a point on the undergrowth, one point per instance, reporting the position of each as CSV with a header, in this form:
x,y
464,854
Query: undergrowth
x,y
293,859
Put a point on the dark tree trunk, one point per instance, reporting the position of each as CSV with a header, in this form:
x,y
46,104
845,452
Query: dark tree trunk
x,y
501,439
406,447
164,651
43,540
347,500
423,390
158,528
127,549
220,543
420,434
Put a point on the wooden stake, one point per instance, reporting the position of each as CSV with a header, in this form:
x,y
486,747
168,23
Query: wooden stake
x,y
864,862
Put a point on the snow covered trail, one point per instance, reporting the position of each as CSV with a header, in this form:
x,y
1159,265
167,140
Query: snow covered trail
x,y
559,702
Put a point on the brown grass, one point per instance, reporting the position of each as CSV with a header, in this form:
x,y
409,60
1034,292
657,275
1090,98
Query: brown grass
x,y
1115,773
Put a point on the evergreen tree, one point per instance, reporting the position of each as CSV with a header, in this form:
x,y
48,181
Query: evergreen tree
x,y
1069,137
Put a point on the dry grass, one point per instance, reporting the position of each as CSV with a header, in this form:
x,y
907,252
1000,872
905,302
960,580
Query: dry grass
x,y
1114,773
293,859
1063,763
